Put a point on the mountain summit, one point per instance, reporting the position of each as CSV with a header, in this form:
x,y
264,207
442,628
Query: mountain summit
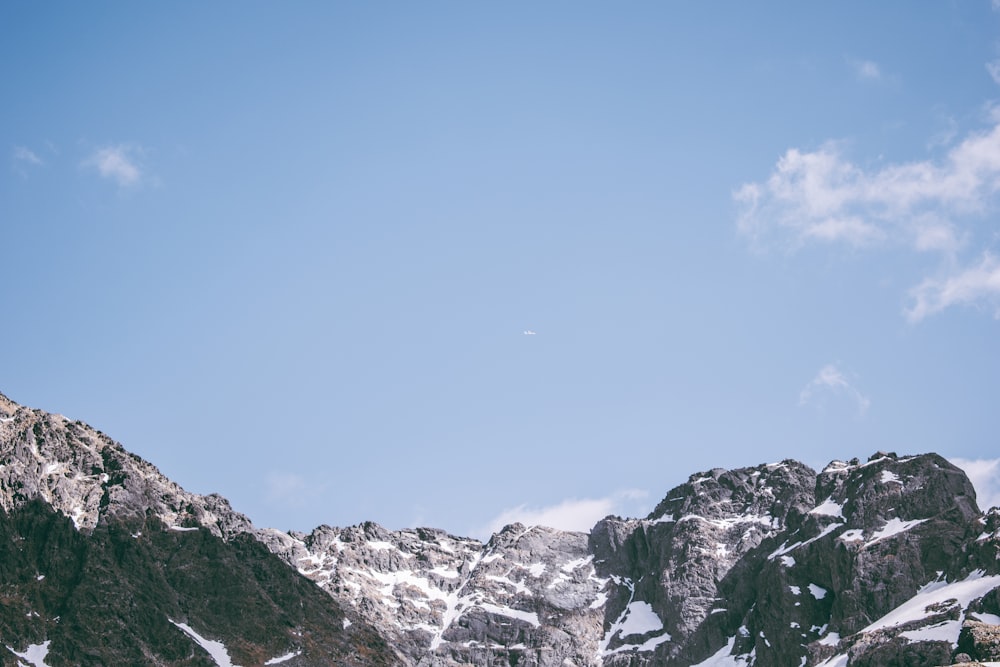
x,y
106,561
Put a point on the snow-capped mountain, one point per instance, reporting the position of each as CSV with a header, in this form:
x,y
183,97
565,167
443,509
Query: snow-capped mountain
x,y
883,562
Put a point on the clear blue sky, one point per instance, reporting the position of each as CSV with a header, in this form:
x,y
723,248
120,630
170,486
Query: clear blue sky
x,y
288,252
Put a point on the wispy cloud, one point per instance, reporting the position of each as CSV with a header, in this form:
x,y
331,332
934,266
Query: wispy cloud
x,y
830,380
26,156
985,476
867,70
821,197
977,284
994,69
117,163
572,514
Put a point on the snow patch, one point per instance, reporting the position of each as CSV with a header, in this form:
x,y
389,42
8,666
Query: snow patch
x,y
892,527
526,616
724,658
640,619
889,476
829,508
284,658
916,608
35,653
982,616
217,650
818,592
946,631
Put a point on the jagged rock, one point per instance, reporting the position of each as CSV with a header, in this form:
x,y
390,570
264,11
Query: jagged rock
x,y
886,562
980,641
103,561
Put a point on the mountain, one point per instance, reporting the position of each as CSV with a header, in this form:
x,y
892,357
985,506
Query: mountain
x,y
107,562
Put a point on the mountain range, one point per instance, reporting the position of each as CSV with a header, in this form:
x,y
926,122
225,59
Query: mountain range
x,y
883,562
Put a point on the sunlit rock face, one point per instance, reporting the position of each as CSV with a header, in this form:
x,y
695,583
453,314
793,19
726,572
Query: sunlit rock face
x,y
106,561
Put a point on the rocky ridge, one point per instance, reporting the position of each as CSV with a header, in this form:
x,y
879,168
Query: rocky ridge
x,y
883,562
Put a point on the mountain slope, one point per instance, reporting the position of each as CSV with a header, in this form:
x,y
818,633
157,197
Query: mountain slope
x,y
105,561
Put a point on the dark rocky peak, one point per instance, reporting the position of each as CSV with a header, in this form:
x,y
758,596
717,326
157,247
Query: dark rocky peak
x,y
891,488
771,489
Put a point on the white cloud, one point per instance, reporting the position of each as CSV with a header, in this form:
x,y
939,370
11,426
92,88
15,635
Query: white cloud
x,y
867,70
970,285
821,197
994,69
985,476
117,163
27,156
830,379
572,514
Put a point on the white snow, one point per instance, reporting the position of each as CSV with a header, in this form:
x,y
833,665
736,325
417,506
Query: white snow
x,y
599,601
35,653
724,658
640,619
835,661
518,587
347,623
992,619
889,476
829,508
442,571
785,547
795,590
963,592
574,564
217,650
379,545
526,616
831,639
182,529
946,631
283,658
892,527
647,645
818,592
536,569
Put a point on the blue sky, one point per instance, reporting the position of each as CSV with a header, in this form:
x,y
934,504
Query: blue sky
x,y
289,253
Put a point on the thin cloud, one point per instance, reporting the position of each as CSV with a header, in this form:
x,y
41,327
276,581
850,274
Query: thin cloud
x,y
975,284
820,197
572,514
117,163
830,380
985,477
867,70
27,156
994,69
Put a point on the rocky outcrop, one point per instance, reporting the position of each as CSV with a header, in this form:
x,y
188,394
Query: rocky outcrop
x,y
103,561
885,562
530,595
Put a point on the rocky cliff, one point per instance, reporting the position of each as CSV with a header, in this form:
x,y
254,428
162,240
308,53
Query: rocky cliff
x,y
883,562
